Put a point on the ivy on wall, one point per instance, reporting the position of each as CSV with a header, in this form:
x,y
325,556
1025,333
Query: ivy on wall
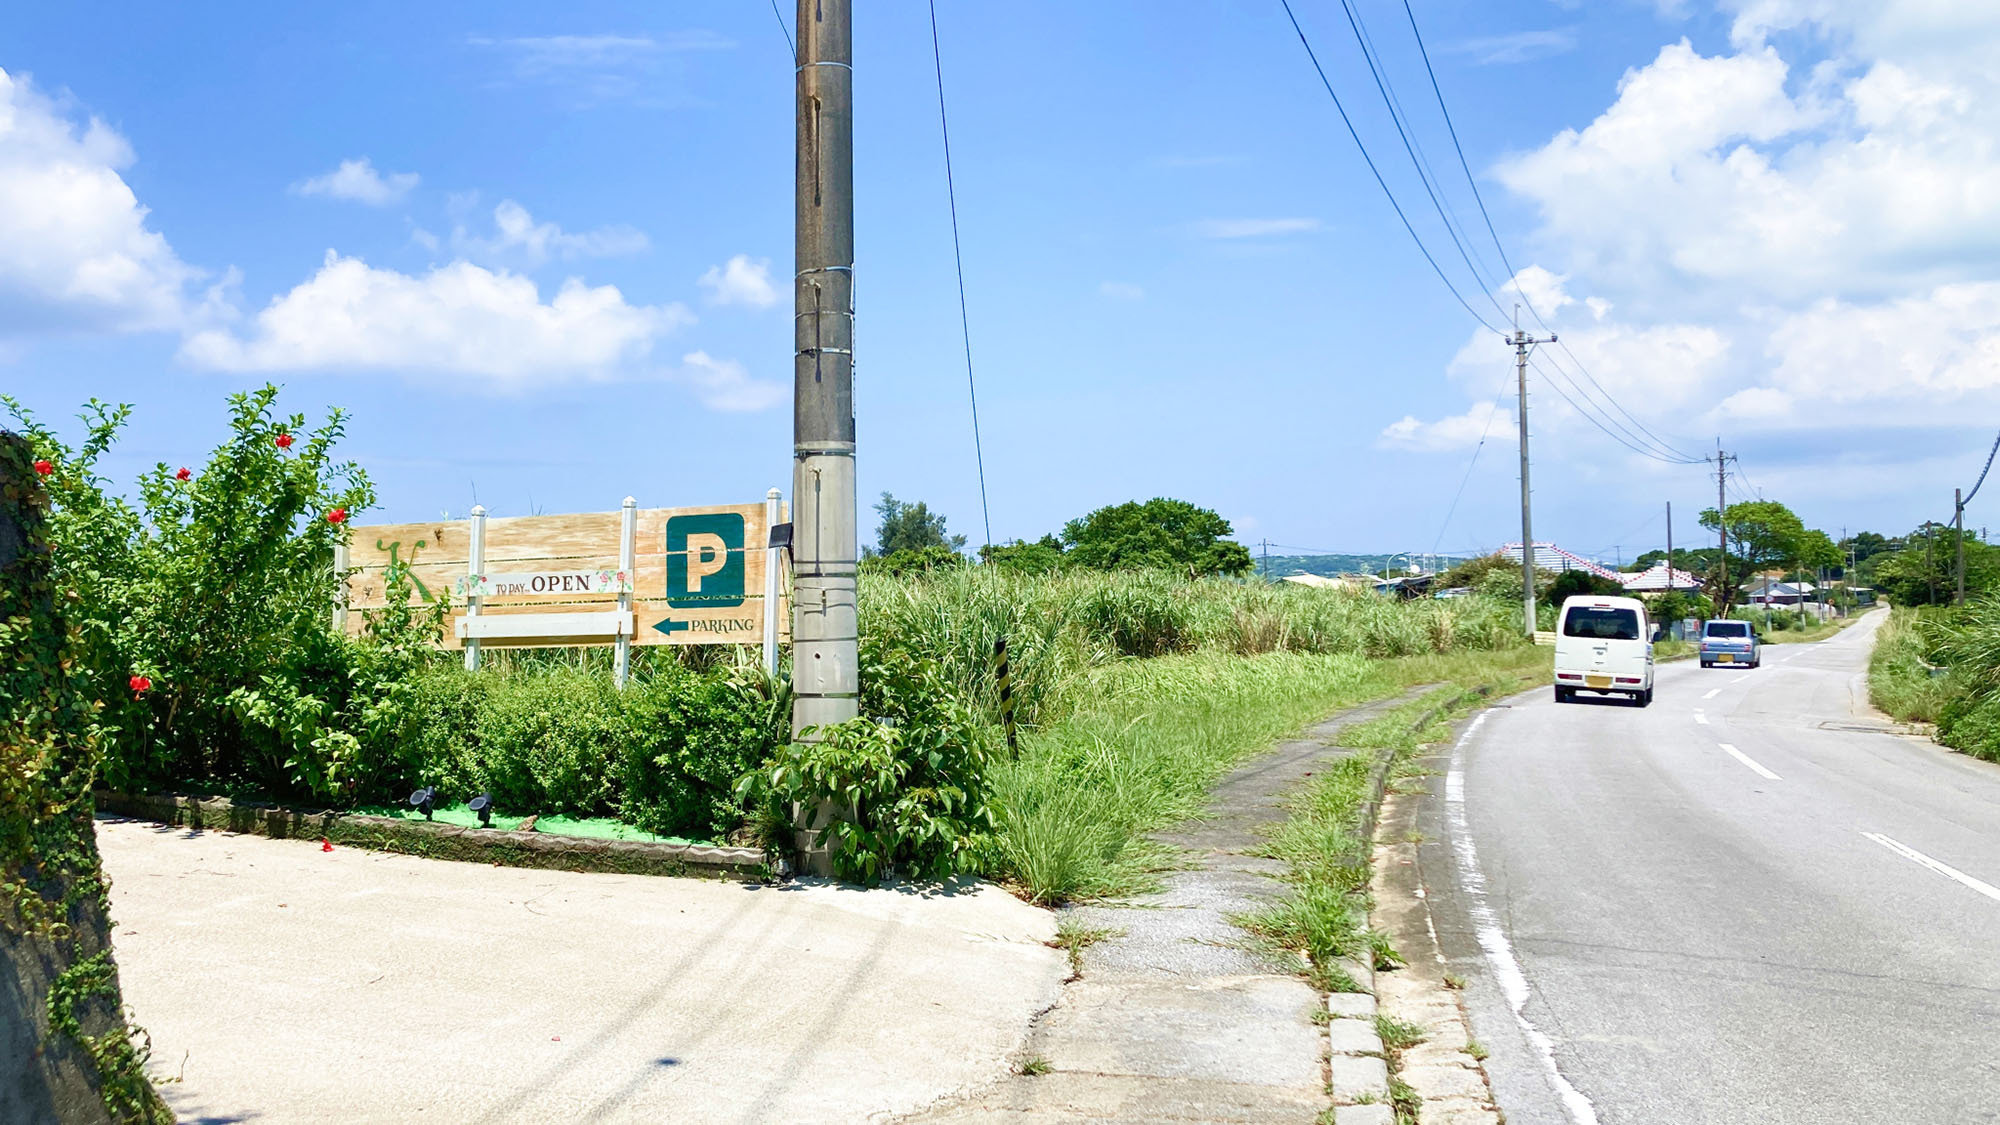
x,y
54,905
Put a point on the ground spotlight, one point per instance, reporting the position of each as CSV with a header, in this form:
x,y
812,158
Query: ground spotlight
x,y
483,805
423,799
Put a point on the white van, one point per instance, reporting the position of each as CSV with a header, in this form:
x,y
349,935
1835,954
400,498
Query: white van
x,y
1604,645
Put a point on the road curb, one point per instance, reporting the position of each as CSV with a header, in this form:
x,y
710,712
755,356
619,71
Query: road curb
x,y
440,841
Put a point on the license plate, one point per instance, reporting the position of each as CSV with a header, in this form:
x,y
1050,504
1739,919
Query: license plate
x,y
1725,658
1597,681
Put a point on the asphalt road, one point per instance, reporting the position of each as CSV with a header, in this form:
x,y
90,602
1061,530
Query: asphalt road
x,y
1732,906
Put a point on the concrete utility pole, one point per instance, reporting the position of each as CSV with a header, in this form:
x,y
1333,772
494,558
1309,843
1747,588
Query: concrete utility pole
x,y
1958,522
1930,567
825,540
1670,545
1522,342
1722,524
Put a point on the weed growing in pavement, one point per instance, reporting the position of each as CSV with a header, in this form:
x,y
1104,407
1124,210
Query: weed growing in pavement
x,y
1405,1100
1477,1050
1398,1034
1034,1065
1454,981
1073,937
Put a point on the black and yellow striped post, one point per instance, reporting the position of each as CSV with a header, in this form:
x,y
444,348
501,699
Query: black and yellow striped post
x,y
1005,677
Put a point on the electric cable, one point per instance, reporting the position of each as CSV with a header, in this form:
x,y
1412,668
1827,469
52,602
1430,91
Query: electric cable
x,y
1377,172
1469,466
1480,199
1982,474
786,28
958,259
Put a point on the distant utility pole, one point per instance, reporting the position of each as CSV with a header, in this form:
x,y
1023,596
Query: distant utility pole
x,y
1722,524
825,542
1670,545
1522,342
1265,571
1930,567
1958,521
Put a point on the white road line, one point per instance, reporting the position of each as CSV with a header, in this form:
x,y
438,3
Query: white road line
x,y
1949,872
1493,940
1748,761
1701,718
1712,693
1740,678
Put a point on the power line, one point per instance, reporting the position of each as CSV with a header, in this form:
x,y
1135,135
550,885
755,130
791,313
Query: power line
x,y
1982,474
1377,172
1469,466
786,28
1487,216
958,259
1622,438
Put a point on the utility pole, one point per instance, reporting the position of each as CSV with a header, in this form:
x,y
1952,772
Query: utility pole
x,y
1265,570
825,661
1670,546
1522,342
1958,520
1930,567
1722,525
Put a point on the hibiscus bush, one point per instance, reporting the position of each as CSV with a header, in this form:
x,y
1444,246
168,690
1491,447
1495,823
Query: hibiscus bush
x,y
204,609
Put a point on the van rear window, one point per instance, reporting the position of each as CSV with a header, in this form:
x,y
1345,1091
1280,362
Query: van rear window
x,y
1728,629
1602,624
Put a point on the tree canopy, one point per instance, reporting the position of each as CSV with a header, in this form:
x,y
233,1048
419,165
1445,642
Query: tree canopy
x,y
910,527
1765,534
1160,534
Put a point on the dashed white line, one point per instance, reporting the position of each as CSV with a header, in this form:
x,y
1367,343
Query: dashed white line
x,y
1740,678
1751,762
1701,718
1493,940
1946,870
1712,693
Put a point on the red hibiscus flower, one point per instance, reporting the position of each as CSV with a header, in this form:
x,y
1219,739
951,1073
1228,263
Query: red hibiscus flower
x,y
140,686
337,516
183,474
44,468
283,441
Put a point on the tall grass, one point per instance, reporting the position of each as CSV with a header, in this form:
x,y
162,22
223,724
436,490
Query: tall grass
x,y
1154,738
1060,627
1899,671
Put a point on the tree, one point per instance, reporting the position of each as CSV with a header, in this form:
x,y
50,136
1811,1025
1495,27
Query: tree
x,y
1582,583
1911,578
1766,535
1040,557
1159,534
910,527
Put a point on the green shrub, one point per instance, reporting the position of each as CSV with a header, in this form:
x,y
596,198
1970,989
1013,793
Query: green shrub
x,y
694,737
905,782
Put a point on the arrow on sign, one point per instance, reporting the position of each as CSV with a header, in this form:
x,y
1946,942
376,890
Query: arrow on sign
x,y
670,626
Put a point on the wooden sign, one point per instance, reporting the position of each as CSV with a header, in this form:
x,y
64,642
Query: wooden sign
x,y
688,576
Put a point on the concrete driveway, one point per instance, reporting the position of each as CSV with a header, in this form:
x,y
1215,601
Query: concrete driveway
x,y
283,983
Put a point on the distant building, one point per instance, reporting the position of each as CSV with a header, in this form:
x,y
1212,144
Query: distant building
x,y
1770,591
1548,556
1660,578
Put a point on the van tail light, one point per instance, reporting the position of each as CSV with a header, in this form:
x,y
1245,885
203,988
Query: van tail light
x,y
1569,675
1628,679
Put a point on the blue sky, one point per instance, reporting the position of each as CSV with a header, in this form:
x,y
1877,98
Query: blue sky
x,y
540,253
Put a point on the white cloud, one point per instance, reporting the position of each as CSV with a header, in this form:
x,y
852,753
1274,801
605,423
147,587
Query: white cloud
x,y
723,384
75,250
1460,431
1515,47
518,238
741,281
592,69
358,181
1795,238
457,320
1253,228
1121,290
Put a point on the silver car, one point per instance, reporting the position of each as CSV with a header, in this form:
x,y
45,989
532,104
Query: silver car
x,y
1730,642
